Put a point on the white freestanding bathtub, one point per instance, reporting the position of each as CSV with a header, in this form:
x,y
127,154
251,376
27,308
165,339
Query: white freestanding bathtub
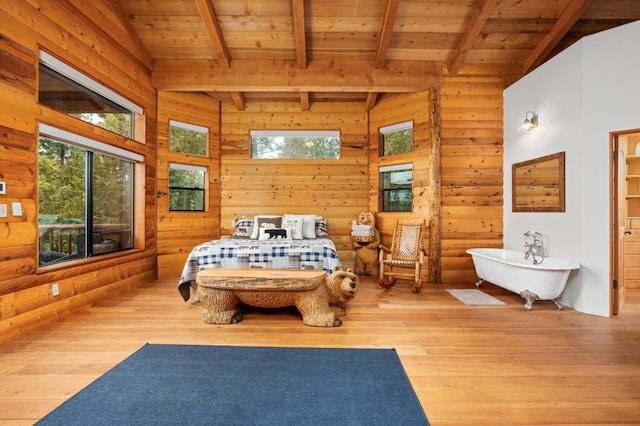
x,y
508,269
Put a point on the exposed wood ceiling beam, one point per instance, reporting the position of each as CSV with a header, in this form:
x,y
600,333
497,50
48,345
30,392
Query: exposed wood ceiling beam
x,y
301,45
468,39
283,75
371,100
212,26
238,100
386,32
383,46
299,33
304,101
564,23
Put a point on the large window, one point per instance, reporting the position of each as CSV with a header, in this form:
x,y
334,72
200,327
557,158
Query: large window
x,y
66,89
397,138
396,187
302,144
85,187
187,186
187,138
86,203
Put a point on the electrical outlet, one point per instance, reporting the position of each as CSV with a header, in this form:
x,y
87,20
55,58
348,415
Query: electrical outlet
x,y
3,210
55,290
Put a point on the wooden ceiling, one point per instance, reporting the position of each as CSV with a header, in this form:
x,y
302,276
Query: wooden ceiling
x,y
353,50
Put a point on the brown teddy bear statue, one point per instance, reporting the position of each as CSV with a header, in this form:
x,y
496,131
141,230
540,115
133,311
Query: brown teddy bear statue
x,y
319,298
366,239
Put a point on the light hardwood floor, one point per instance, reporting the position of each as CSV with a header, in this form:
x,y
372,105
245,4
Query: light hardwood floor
x,y
468,365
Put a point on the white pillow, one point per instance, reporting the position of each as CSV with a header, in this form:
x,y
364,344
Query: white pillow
x,y
294,223
274,234
258,221
309,226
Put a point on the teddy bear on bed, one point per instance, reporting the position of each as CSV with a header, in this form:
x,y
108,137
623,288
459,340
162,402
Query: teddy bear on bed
x,y
366,246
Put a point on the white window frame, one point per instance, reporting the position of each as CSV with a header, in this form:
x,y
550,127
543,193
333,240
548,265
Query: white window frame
x,y
191,168
88,82
405,125
394,168
84,142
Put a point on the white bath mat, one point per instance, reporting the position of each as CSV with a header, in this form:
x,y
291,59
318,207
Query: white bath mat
x,y
475,298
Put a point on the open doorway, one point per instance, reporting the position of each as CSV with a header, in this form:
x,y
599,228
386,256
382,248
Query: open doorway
x,y
625,215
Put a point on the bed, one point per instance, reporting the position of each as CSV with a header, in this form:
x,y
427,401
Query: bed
x,y
278,242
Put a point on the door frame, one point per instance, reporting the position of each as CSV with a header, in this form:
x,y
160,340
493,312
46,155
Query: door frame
x,y
616,241
616,267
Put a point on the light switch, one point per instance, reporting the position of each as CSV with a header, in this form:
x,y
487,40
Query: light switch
x,y
16,209
3,210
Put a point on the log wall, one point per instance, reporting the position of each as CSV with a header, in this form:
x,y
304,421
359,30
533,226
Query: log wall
x,y
393,109
472,171
178,232
69,30
470,177
469,212
335,189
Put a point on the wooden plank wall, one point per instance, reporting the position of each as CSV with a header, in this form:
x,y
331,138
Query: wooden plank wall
x,y
472,171
178,232
393,109
68,29
335,189
471,176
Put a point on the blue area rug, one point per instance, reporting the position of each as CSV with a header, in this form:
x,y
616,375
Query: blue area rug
x,y
234,385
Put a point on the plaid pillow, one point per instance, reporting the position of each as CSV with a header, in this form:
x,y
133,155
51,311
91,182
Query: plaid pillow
x,y
322,228
244,227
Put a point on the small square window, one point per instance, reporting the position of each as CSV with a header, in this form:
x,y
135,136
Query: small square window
x,y
188,138
396,139
186,187
396,184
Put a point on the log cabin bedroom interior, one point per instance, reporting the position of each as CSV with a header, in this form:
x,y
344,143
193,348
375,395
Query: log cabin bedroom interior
x,y
101,204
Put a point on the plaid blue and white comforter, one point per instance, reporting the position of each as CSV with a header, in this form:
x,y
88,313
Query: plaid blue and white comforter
x,y
316,253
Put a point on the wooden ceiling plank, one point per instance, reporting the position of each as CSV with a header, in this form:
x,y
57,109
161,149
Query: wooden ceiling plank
x,y
468,39
299,33
211,24
386,32
283,75
562,26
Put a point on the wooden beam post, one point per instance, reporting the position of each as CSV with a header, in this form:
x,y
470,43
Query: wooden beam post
x,y
434,267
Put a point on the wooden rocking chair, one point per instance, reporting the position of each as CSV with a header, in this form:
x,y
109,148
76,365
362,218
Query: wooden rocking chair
x,y
406,252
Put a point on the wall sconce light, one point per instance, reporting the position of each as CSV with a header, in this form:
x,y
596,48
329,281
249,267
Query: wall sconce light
x,y
530,122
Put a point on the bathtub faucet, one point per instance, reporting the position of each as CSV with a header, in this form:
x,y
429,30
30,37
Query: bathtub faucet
x,y
535,248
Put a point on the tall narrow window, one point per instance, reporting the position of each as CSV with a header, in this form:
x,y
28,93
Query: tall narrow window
x,y
66,89
396,187
86,204
301,144
397,138
188,138
187,186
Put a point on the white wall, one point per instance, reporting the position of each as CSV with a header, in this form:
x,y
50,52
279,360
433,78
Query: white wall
x,y
580,96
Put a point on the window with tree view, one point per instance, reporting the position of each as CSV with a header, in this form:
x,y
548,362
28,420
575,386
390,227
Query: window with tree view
x,y
85,185
396,188
397,138
186,187
67,90
309,144
187,138
85,197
